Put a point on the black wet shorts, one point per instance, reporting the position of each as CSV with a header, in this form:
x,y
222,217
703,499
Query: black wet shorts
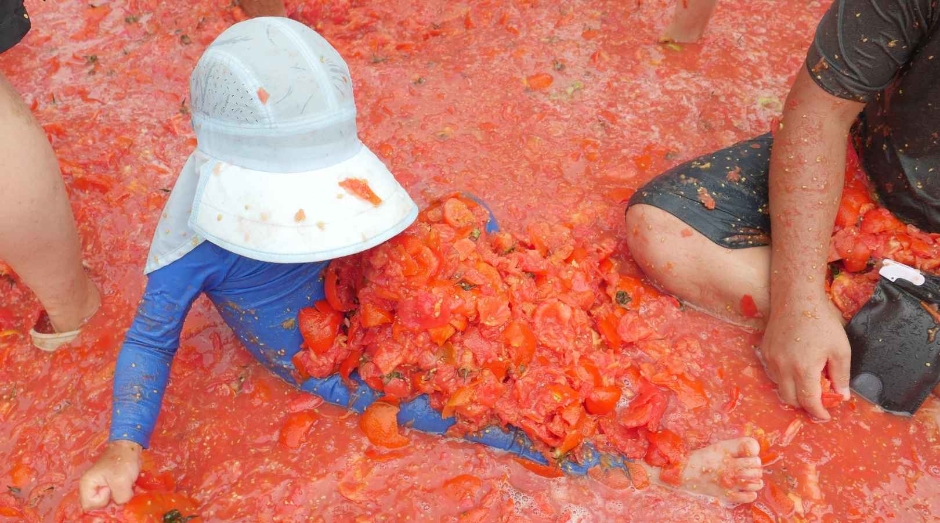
x,y
14,23
894,337
723,195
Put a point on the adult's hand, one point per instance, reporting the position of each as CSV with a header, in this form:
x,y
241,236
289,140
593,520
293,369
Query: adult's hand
x,y
799,344
112,476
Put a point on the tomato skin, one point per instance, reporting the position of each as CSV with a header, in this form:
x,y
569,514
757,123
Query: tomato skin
x,y
493,310
379,422
671,474
371,315
499,368
546,471
457,214
669,444
461,397
329,288
319,326
349,364
585,372
607,326
521,340
602,400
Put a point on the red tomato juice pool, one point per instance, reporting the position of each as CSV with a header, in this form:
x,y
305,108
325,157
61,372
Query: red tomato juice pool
x,y
549,111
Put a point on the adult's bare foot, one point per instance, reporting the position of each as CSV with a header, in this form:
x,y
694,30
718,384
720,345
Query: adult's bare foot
x,y
729,471
689,21
75,309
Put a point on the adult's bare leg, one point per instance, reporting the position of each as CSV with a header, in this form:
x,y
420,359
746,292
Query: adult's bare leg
x,y
689,21
38,237
696,270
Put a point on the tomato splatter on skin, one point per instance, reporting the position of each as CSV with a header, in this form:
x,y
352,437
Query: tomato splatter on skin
x,y
224,445
360,189
749,307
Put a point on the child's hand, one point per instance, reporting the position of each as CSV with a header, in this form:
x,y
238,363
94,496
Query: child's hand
x,y
112,476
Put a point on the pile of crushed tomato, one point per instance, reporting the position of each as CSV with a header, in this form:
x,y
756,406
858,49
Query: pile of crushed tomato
x,y
538,331
866,233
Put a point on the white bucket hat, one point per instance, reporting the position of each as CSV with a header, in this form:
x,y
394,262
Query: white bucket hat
x,y
279,173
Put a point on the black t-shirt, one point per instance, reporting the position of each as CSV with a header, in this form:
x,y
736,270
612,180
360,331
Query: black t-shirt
x,y
887,53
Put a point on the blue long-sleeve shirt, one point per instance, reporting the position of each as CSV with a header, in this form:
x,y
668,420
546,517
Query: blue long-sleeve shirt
x,y
259,300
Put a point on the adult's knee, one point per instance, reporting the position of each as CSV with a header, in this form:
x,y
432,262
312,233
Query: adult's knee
x,y
644,224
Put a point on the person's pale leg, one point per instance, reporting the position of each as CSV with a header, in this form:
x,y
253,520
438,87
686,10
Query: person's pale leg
x,y
689,21
38,238
699,272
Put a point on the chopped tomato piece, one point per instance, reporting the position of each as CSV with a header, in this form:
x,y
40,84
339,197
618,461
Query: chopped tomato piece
x,y
669,444
607,326
440,335
778,500
457,214
539,81
521,340
152,507
879,220
546,471
360,188
602,400
319,326
462,397
494,311
671,474
379,422
371,315
638,475
349,364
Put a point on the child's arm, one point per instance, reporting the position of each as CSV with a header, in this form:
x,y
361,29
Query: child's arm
x,y
141,375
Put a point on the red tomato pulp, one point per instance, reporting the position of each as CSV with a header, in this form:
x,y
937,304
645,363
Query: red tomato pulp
x,y
444,99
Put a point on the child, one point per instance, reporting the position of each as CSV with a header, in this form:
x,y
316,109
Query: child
x,y
278,185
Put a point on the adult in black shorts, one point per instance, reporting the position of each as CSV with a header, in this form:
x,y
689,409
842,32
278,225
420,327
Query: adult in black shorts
x,y
38,237
702,230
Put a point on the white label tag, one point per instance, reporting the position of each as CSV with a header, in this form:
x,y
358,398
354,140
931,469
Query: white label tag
x,y
893,270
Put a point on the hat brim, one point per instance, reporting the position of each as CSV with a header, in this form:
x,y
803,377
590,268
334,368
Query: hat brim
x,y
300,217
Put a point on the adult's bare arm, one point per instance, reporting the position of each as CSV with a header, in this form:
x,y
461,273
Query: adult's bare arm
x,y
804,333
